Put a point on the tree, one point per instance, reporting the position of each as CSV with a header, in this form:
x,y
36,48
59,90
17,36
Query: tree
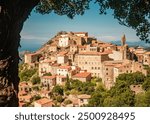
x,y
26,75
140,100
132,78
13,14
119,96
98,97
67,84
58,90
36,80
146,84
47,74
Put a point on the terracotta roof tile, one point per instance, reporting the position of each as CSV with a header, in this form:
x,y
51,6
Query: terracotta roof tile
x,y
65,67
82,75
49,77
43,101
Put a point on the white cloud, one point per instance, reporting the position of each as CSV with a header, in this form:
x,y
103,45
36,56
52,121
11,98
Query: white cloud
x,y
33,37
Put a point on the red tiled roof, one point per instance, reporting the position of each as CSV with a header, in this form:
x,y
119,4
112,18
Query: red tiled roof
x,y
62,53
80,46
43,101
82,75
49,77
26,97
65,67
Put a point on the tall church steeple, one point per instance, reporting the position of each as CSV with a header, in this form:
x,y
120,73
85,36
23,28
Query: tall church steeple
x,y
123,40
124,47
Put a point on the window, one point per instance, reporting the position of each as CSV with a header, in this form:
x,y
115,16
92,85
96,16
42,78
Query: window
x,y
98,68
106,73
107,69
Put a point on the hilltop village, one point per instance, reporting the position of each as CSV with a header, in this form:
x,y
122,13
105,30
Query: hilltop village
x,y
77,56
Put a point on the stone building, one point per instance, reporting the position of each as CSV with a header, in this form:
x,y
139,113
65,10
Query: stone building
x,y
32,58
62,58
92,61
81,34
82,76
64,41
45,67
83,99
146,58
112,69
43,102
48,81
74,48
64,70
61,80
48,67
52,47
137,89
139,52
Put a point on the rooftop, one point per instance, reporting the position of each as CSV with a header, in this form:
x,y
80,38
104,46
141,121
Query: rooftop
x,y
62,53
65,67
49,77
82,75
43,101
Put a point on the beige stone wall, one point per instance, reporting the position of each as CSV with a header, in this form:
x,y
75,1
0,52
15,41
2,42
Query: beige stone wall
x,y
112,69
60,80
32,58
64,41
52,48
91,63
62,59
44,68
48,82
146,59
74,48
116,55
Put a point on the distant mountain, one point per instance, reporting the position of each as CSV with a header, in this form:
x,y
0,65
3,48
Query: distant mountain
x,y
133,43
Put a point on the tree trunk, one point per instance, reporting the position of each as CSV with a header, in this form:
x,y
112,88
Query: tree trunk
x,y
13,14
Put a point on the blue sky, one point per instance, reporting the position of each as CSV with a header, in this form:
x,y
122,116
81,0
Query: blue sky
x,y
39,28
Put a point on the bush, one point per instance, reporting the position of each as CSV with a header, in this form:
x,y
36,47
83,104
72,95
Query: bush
x,y
66,102
47,74
26,75
59,99
36,80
